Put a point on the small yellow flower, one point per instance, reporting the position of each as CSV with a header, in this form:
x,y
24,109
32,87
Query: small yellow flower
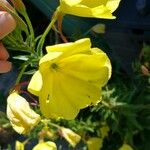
x,y
125,147
19,145
70,78
21,116
89,8
72,138
45,146
95,143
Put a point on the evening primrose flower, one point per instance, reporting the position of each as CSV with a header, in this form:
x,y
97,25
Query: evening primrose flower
x,y
70,78
125,147
95,143
70,136
21,116
45,146
89,8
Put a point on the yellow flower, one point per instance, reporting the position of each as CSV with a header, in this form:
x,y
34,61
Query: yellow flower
x,y
45,146
70,136
90,8
21,116
70,78
125,147
19,146
95,143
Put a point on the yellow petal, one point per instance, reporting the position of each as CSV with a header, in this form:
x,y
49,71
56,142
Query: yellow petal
x,y
107,63
112,5
95,143
53,102
50,57
45,146
79,46
36,83
91,68
101,12
63,96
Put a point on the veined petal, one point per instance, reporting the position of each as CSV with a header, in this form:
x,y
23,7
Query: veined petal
x,y
53,102
36,83
91,68
80,46
21,116
97,51
66,96
80,93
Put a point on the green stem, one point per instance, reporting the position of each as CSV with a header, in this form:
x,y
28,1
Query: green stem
x,y
48,122
21,73
30,28
54,125
105,104
41,42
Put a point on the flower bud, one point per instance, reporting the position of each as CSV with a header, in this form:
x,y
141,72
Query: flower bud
x,y
21,116
6,4
70,136
99,28
19,5
144,70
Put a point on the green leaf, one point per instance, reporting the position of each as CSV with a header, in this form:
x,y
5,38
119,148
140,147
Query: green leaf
x,y
21,57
